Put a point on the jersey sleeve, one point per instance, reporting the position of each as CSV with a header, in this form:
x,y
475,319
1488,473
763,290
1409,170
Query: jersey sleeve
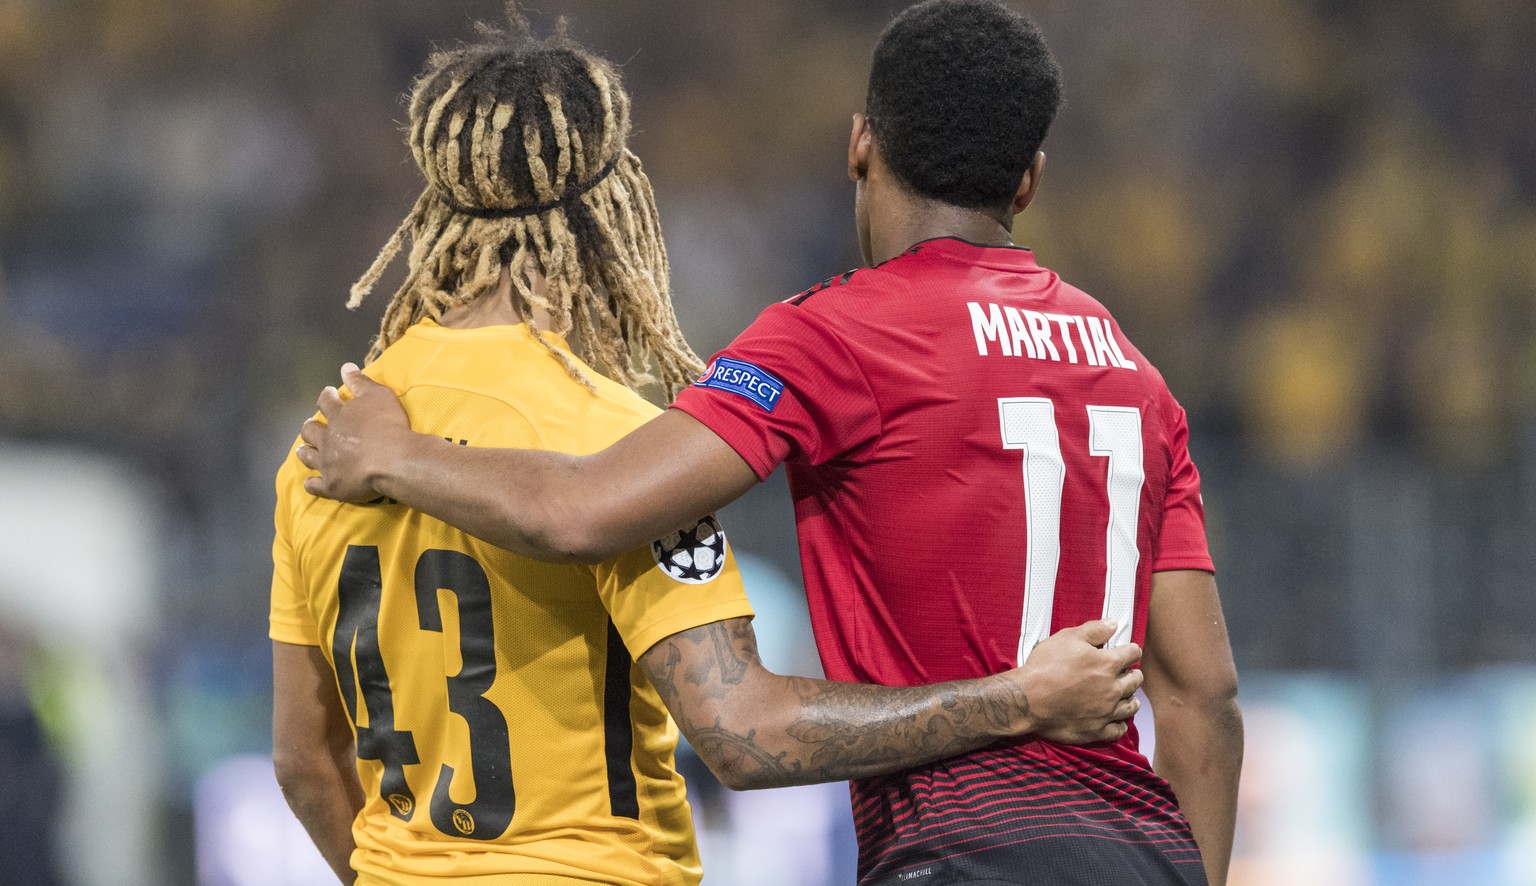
x,y
788,388
1182,543
679,582
290,619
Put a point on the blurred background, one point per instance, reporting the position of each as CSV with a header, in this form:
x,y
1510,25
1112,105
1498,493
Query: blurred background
x,y
1317,217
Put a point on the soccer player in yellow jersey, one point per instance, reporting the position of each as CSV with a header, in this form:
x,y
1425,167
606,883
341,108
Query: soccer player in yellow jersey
x,y
446,710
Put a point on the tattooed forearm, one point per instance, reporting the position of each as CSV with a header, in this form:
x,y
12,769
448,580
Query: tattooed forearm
x,y
758,729
848,728
733,753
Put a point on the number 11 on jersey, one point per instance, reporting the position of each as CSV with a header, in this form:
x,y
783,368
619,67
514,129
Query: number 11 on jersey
x,y
1114,432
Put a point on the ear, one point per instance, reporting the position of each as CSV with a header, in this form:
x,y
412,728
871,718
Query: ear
x,y
1028,184
860,142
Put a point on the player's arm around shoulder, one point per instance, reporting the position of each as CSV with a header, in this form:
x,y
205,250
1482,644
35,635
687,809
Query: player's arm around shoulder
x,y
1191,683
757,729
539,504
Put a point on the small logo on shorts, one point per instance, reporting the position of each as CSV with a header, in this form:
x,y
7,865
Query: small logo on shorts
x,y
744,380
693,555
913,875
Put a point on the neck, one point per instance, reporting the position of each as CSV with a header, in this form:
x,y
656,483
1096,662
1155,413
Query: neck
x,y
495,308
922,219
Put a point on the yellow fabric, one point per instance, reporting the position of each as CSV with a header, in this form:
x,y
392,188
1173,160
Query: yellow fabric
x,y
494,880
495,387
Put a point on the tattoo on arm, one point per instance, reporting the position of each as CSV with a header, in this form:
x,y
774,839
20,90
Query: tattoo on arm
x,y
732,666
758,729
742,753
853,724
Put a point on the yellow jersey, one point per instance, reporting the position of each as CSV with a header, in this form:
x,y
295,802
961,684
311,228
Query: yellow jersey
x,y
503,732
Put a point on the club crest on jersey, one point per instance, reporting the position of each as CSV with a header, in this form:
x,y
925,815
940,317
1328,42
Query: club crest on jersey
x,y
693,555
743,379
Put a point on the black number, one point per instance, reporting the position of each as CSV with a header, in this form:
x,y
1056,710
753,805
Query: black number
x,y
357,632
490,761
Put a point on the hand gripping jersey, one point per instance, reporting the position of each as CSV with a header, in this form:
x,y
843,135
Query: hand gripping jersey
x,y
978,458
503,735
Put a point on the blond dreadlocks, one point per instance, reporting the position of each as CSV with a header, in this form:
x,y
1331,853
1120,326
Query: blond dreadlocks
x,y
523,145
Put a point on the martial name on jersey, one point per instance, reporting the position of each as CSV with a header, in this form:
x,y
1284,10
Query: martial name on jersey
x,y
1021,332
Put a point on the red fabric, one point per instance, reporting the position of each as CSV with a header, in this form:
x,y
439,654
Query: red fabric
x,y
910,510
898,397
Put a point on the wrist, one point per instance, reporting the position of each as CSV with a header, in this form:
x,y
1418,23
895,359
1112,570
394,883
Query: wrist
x,y
1012,693
388,455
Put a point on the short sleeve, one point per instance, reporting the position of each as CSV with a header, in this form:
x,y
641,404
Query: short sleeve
x,y
1182,543
679,582
787,389
290,619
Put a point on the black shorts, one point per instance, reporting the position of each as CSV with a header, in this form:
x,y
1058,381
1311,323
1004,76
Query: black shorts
x,y
1051,861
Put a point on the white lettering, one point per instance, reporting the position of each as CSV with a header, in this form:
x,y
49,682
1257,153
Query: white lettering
x,y
1082,334
1041,328
1021,342
1101,347
1061,321
989,328
738,377
1115,344
1019,332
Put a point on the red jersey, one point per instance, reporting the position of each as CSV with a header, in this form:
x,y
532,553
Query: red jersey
x,y
978,457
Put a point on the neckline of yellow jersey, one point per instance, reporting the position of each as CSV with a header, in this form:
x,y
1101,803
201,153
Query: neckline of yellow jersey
x,y
428,328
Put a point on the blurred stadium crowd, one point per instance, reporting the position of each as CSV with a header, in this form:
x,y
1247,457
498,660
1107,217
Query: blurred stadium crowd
x,y
1317,217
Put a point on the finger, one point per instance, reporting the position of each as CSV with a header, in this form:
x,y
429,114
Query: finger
x,y
354,379
1126,709
1129,682
313,432
1126,655
1096,632
309,456
314,485
1115,730
329,402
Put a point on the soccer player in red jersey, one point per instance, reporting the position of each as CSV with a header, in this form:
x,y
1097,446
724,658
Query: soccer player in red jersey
x,y
979,457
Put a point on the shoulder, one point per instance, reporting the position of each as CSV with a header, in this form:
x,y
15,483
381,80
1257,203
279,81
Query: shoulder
x,y
513,389
625,408
291,472
554,412
839,315
850,289
288,480
294,502
832,282
1073,300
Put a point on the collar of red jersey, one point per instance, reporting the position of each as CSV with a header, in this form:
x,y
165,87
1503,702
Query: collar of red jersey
x,y
1007,253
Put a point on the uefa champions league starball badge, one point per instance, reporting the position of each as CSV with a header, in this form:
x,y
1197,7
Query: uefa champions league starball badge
x,y
695,554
